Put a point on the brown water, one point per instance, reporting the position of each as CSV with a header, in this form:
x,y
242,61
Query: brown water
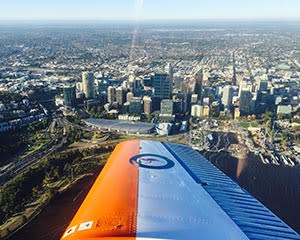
x,y
277,187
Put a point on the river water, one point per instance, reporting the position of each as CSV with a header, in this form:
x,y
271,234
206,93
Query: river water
x,y
277,187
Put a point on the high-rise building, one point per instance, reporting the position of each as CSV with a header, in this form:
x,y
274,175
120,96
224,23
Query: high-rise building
x,y
162,85
178,105
234,78
147,81
111,94
170,71
137,87
88,84
177,82
137,83
206,101
102,86
209,92
155,104
262,86
245,102
136,107
129,96
215,109
205,111
120,95
194,98
69,96
196,111
79,86
245,86
166,107
237,113
227,97
185,102
147,105
184,87
198,85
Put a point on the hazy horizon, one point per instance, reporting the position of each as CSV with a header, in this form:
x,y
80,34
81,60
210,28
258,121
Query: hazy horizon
x,y
145,10
145,21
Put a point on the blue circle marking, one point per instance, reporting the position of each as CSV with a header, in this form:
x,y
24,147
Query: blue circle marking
x,y
152,161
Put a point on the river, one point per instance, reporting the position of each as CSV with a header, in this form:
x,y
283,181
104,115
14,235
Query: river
x,y
277,187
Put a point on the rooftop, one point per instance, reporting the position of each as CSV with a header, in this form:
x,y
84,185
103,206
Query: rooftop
x,y
121,126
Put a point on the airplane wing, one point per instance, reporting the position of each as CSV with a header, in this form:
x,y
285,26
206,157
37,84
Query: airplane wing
x,y
155,190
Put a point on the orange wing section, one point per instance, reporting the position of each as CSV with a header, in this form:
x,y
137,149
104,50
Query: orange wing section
x,y
110,208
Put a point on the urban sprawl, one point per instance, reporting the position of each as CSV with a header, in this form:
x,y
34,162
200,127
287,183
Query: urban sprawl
x,y
163,79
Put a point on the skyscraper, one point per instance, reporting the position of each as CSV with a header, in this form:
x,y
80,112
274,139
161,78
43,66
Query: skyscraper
x,y
147,105
198,84
234,79
194,98
245,102
136,107
214,109
147,81
162,85
169,70
111,94
129,96
177,82
137,84
120,95
166,107
178,105
88,84
69,96
102,86
262,86
227,96
196,111
245,86
137,87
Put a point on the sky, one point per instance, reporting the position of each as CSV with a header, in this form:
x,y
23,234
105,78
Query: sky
x,y
148,9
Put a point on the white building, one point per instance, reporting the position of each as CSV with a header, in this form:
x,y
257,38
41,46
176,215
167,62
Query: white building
x,y
227,96
197,111
111,94
88,84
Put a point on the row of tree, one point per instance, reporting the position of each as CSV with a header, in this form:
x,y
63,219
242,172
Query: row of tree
x,y
26,187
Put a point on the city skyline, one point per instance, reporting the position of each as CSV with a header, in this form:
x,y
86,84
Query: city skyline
x,y
149,10
171,73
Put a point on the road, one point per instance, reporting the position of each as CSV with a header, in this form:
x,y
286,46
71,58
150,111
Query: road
x,y
19,166
63,126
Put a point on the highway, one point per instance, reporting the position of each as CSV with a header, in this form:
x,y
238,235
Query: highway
x,y
21,165
62,126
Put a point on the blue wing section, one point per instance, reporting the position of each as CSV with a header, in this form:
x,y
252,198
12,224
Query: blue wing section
x,y
251,216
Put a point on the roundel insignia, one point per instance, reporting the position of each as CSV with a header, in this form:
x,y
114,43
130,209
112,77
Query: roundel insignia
x,y
152,161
